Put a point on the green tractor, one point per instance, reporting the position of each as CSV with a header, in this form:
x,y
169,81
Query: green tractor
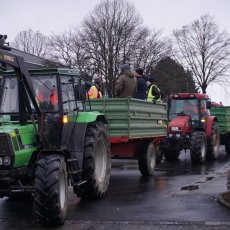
x,y
47,140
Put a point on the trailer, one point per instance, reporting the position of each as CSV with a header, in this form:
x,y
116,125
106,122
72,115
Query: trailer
x,y
136,128
223,115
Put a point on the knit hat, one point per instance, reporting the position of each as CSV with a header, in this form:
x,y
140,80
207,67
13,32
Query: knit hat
x,y
97,80
151,79
124,67
140,71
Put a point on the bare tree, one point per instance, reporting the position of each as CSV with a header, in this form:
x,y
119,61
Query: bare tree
x,y
151,50
31,42
109,35
205,49
66,49
61,47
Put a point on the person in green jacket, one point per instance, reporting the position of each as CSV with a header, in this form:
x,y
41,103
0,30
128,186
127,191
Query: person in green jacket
x,y
154,94
126,83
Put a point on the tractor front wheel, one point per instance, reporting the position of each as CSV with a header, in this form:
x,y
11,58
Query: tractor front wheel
x,y
198,147
96,162
213,142
51,190
159,153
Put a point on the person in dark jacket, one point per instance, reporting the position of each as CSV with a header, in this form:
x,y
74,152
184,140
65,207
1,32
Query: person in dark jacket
x,y
126,82
141,88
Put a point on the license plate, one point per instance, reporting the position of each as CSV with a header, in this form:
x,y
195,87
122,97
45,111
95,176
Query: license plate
x,y
174,128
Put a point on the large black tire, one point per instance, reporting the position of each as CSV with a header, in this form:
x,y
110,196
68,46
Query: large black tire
x,y
171,154
227,143
50,202
213,142
147,160
198,148
159,154
96,162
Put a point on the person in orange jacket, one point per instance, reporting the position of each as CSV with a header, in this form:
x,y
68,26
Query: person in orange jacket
x,y
47,96
95,90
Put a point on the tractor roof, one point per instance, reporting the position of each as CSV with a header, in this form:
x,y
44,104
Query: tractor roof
x,y
43,71
189,96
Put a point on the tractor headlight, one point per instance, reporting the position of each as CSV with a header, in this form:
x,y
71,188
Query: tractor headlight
x,y
6,160
202,120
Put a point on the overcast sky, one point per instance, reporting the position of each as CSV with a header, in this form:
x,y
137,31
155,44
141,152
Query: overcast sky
x,y
49,16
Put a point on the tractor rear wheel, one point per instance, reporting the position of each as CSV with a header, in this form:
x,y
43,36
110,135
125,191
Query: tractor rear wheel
x,y
51,190
213,142
96,162
147,160
198,147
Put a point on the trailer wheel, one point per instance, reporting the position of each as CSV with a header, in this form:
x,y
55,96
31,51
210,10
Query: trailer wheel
x,y
227,144
96,162
198,147
213,142
147,160
50,202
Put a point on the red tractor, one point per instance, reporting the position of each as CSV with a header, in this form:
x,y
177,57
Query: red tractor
x,y
190,127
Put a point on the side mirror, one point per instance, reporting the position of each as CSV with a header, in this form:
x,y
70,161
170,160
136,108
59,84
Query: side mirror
x,y
80,92
208,104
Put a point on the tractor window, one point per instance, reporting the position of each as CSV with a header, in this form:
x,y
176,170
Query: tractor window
x,y
184,107
46,92
9,95
68,84
67,94
203,108
71,94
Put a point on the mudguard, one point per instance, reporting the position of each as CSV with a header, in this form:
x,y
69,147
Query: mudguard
x,y
208,125
73,137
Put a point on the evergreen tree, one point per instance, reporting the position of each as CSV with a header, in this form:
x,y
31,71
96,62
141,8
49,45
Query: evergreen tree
x,y
171,77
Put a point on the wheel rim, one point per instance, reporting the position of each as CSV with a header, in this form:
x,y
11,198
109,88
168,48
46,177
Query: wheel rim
x,y
152,157
100,160
216,142
203,151
62,190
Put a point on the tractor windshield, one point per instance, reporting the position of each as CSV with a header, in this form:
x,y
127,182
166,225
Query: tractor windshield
x,y
45,89
180,107
46,92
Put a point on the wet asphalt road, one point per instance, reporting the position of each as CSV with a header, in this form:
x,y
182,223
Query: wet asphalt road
x,y
179,194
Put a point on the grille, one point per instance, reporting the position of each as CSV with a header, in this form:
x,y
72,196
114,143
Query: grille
x,y
4,146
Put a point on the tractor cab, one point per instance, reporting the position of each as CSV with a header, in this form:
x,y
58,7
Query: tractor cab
x,y
193,105
58,95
